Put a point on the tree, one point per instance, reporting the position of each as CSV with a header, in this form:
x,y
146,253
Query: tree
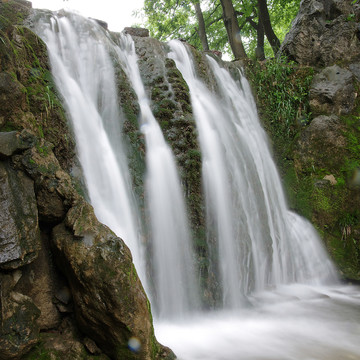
x,y
233,29
260,50
265,23
169,19
201,23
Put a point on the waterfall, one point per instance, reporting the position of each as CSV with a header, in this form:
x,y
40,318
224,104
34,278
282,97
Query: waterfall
x,y
175,286
279,290
260,242
84,75
81,55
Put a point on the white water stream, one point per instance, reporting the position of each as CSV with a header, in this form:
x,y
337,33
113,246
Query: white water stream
x,y
276,305
261,243
80,58
272,264
84,74
174,273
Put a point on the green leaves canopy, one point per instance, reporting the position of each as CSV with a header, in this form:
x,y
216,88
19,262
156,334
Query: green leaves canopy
x,y
174,19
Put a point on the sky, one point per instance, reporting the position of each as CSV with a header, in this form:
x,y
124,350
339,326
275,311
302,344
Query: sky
x,y
117,13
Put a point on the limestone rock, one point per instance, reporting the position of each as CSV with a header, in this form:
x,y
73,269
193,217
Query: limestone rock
x,y
19,331
321,144
355,69
133,31
19,229
11,94
63,343
110,303
91,346
54,189
13,141
324,32
39,281
332,92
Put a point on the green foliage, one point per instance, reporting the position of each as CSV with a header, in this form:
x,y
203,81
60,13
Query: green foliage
x,y
282,93
174,19
351,164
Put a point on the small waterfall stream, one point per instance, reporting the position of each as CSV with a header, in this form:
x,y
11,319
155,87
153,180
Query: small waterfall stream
x,y
280,296
175,285
84,74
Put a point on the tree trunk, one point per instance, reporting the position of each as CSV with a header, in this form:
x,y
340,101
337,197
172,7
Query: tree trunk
x,y
260,52
201,22
232,29
266,23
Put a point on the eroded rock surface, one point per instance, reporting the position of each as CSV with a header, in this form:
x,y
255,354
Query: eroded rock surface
x,y
321,143
324,32
332,92
19,228
110,304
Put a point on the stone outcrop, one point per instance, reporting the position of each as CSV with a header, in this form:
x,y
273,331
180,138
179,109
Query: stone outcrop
x,y
323,33
140,32
333,92
321,144
19,228
110,304
20,331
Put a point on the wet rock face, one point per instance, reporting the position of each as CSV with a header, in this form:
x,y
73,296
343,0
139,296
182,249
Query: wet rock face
x,y
19,229
110,304
324,32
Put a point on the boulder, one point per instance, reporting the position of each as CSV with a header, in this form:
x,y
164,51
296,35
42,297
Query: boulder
x,y
324,32
19,229
19,331
54,188
332,92
110,303
12,142
63,343
12,94
355,69
321,144
133,31
40,282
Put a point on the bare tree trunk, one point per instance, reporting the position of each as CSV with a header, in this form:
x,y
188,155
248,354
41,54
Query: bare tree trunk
x,y
232,29
201,22
265,20
260,52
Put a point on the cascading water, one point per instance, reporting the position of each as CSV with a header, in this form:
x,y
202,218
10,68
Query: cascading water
x,y
86,81
273,268
261,243
84,74
175,286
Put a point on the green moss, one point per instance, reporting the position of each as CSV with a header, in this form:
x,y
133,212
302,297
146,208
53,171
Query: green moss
x,y
39,352
282,91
